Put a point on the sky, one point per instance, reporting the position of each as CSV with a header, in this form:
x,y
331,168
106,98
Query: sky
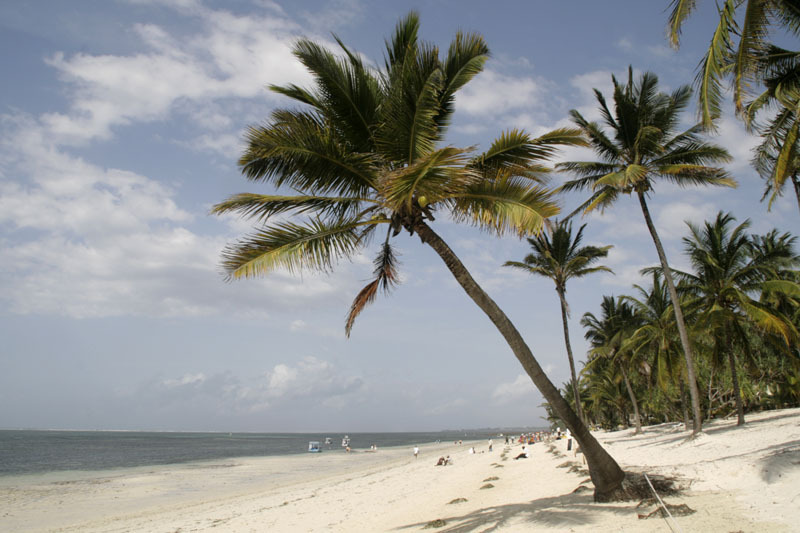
x,y
120,126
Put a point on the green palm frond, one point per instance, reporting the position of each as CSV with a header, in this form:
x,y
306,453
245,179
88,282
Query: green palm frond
x,y
505,206
299,151
345,88
465,59
754,30
313,246
715,65
692,175
260,207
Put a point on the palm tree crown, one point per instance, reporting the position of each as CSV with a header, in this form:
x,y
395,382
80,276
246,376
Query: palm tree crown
x,y
364,152
642,144
561,257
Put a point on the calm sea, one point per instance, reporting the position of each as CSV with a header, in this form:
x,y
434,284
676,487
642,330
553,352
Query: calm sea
x,y
31,452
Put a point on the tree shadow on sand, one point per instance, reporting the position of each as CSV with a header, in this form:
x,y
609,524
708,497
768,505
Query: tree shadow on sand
x,y
785,458
563,511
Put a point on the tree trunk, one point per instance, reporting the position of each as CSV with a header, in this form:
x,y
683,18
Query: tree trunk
x,y
606,474
686,420
737,394
710,387
575,389
676,306
636,418
796,184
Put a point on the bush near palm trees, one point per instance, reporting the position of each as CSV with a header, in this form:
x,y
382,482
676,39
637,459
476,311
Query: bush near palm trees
x,y
642,146
560,257
364,153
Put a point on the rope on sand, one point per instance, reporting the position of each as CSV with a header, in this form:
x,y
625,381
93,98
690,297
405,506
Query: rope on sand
x,y
663,506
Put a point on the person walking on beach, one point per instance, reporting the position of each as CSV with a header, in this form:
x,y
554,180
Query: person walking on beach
x,y
416,451
490,444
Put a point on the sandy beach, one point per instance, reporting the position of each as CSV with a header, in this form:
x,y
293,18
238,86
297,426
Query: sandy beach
x,y
735,479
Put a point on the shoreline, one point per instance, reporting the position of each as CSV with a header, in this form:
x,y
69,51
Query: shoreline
x,y
737,479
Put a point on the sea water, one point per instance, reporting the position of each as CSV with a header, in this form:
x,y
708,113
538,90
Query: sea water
x,y
36,452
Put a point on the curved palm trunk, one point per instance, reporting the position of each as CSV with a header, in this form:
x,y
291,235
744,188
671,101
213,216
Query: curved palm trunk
x,y
606,474
575,391
673,296
636,418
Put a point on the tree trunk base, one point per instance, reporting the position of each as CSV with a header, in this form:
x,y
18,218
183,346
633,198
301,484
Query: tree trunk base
x,y
634,487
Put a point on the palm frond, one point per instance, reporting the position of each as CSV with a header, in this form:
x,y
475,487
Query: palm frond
x,y
505,205
297,149
386,278
314,246
681,9
261,207
715,65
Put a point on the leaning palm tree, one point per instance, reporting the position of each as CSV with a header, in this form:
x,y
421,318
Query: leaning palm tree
x,y
751,22
645,147
363,152
609,336
561,258
728,275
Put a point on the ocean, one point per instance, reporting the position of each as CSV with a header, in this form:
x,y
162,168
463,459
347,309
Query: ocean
x,y
33,452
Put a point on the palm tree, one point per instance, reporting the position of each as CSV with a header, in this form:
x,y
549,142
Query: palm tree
x,y
777,158
561,258
656,338
645,147
727,274
741,61
608,336
364,152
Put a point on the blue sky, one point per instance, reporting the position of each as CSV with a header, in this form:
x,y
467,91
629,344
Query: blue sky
x,y
120,125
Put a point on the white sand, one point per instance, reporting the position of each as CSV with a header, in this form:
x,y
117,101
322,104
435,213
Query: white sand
x,y
740,479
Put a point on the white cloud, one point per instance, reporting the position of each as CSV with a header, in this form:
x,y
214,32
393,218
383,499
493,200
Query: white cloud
x,y
522,388
86,241
493,93
672,218
233,57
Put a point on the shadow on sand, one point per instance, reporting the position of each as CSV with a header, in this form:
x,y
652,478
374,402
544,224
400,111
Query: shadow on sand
x,y
563,511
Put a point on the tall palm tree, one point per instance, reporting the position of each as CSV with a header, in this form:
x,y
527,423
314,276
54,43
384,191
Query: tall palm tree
x,y
645,147
750,22
560,257
608,336
727,277
364,152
